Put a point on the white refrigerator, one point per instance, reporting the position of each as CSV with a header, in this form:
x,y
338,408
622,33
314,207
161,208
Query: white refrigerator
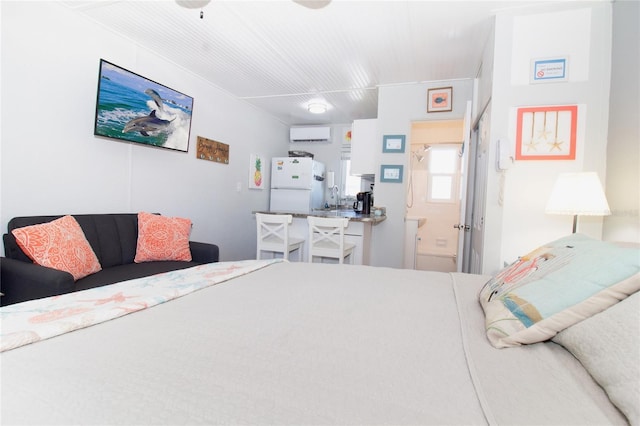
x,y
297,184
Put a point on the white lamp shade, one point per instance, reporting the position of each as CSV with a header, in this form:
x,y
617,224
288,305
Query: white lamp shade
x,y
578,194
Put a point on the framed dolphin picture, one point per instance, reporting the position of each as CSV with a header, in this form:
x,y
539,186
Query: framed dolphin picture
x,y
135,109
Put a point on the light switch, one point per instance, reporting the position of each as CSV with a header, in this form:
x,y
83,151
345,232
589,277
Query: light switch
x,y
238,186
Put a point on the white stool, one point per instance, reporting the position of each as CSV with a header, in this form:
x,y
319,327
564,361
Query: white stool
x,y
273,235
326,238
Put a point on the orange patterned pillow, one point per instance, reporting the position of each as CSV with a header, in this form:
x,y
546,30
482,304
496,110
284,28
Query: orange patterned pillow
x,y
59,244
162,238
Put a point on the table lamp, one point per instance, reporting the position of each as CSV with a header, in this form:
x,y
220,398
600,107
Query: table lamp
x,y
578,194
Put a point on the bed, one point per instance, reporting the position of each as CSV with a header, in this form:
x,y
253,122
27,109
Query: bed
x,y
276,342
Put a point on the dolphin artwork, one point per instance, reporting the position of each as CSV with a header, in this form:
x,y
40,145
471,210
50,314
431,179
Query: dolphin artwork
x,y
147,124
156,98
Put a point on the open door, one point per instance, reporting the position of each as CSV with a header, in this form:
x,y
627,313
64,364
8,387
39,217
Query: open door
x,y
466,188
478,181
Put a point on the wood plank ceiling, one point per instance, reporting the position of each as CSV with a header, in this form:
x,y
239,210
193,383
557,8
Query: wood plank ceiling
x,y
279,55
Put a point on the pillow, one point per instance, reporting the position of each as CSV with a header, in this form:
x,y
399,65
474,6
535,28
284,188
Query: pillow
x,y
59,244
162,238
556,286
608,346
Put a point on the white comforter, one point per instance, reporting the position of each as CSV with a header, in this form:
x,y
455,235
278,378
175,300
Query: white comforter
x,y
298,343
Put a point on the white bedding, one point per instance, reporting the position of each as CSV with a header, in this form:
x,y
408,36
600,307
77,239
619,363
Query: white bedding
x,y
299,343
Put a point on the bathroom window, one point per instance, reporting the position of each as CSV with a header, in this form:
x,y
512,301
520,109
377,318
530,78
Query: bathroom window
x,y
444,174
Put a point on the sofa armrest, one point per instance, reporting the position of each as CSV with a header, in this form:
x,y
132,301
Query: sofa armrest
x,y
204,252
21,281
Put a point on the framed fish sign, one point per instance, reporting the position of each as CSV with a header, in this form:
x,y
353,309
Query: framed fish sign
x,y
440,99
135,109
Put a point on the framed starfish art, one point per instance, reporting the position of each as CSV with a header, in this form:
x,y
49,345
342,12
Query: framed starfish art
x,y
546,133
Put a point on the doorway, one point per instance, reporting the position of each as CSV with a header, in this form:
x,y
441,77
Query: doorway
x,y
434,193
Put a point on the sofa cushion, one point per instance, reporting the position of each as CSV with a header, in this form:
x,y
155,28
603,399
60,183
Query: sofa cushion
x,y
59,244
162,238
112,236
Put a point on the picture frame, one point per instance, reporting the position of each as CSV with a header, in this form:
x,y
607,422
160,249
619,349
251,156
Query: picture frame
x,y
549,70
210,150
440,99
256,171
391,173
546,133
393,143
133,108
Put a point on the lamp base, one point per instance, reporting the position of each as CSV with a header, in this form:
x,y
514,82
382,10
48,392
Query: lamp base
x,y
575,223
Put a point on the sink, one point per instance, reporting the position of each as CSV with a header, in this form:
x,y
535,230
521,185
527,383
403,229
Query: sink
x,y
336,212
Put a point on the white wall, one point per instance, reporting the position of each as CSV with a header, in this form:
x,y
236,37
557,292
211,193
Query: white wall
x,y
623,150
52,163
328,152
398,106
515,221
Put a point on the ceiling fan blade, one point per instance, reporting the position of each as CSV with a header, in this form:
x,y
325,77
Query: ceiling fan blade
x,y
193,4
313,4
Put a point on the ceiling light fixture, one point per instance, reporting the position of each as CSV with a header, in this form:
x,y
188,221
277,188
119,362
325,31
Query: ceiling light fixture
x,y
317,108
193,4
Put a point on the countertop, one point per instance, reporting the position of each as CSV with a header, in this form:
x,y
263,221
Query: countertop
x,y
352,215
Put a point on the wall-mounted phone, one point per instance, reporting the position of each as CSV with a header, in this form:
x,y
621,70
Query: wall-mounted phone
x,y
504,156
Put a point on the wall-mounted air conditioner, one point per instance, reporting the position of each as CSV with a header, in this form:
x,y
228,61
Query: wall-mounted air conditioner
x,y
310,134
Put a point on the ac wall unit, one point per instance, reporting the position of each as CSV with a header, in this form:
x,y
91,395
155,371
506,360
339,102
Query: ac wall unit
x,y
310,134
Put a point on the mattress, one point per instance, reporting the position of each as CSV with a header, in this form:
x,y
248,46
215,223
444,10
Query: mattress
x,y
300,343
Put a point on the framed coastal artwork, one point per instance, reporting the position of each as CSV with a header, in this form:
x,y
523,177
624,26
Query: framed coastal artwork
x,y
393,143
132,108
546,133
440,99
391,173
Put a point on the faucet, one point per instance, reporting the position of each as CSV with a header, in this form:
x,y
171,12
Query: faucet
x,y
334,194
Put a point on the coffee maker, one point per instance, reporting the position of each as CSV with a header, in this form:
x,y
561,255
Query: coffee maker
x,y
363,203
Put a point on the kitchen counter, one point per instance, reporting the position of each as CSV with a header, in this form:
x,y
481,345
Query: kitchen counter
x,y
352,215
357,232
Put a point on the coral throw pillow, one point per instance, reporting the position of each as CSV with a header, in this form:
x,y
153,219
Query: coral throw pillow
x,y
162,238
59,244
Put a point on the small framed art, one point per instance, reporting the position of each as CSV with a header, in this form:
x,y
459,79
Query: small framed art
x,y
547,133
391,173
439,99
256,172
393,143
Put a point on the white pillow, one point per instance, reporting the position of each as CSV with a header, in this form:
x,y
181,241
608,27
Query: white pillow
x,y
608,346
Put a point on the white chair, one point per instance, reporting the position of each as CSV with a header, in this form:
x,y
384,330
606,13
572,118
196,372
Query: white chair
x,y
326,238
273,235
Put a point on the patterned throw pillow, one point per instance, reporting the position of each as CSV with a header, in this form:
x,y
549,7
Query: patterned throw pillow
x,y
59,244
556,286
162,238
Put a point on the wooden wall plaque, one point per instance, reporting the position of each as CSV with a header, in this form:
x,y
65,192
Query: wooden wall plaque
x,y
211,150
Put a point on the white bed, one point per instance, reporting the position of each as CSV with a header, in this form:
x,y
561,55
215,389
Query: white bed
x,y
298,343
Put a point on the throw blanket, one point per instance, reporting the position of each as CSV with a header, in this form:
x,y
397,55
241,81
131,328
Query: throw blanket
x,y
40,319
